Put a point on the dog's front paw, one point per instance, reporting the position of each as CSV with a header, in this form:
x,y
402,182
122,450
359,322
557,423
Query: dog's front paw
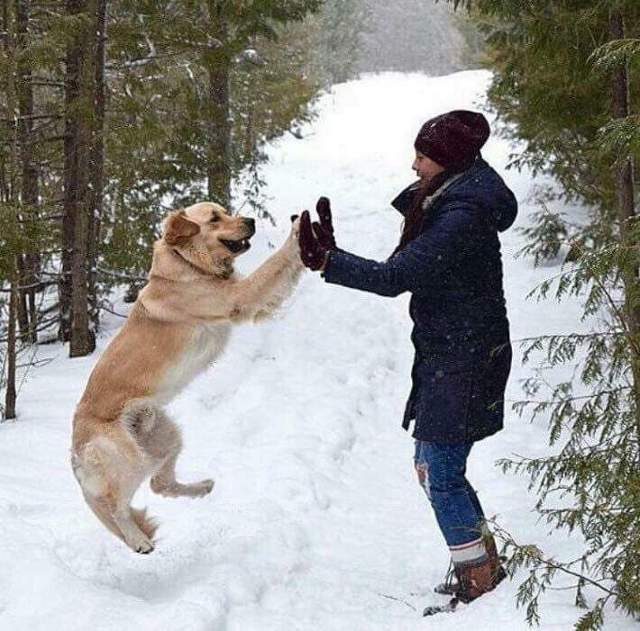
x,y
292,244
295,229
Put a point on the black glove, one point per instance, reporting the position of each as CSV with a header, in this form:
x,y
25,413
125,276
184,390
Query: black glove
x,y
312,252
323,230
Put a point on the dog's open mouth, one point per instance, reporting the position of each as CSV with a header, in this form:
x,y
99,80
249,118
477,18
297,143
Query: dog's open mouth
x,y
239,245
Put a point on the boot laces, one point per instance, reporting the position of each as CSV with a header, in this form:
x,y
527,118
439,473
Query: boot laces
x,y
450,577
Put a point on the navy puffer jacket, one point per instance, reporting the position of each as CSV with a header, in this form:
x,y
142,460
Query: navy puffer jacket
x,y
453,270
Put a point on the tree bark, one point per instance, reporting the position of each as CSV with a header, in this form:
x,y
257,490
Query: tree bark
x,y
96,200
626,212
8,188
79,108
22,309
70,180
10,390
29,263
218,110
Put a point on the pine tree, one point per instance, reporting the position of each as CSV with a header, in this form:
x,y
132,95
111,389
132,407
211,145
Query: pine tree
x,y
339,38
164,150
21,234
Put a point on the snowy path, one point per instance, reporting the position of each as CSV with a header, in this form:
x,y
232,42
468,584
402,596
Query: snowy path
x,y
316,521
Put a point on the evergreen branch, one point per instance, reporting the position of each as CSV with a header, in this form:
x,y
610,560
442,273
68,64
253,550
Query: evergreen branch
x,y
579,336
121,276
594,395
615,53
103,307
42,325
31,117
602,287
139,62
39,285
534,554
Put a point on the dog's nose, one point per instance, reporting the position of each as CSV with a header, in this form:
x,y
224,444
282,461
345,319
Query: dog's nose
x,y
250,223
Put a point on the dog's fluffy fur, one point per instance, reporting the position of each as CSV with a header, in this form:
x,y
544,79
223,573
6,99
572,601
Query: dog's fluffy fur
x,y
177,327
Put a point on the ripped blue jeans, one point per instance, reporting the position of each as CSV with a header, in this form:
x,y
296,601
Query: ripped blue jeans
x,y
441,472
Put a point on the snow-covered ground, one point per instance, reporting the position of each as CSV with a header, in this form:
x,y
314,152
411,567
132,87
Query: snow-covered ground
x,y
316,521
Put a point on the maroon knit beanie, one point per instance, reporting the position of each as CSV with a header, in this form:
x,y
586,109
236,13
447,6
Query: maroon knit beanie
x,y
454,139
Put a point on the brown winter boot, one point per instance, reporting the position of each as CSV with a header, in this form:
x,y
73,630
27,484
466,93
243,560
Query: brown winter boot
x,y
476,580
450,586
497,571
473,582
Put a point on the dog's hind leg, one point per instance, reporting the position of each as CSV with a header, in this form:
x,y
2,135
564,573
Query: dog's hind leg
x,y
109,479
164,482
166,444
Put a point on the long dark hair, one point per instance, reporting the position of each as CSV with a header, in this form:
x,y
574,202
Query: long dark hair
x,y
415,216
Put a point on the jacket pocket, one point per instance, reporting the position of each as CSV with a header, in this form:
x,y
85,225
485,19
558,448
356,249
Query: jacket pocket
x,y
487,401
443,401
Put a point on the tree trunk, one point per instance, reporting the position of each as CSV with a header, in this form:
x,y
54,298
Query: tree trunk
x,y
10,391
626,212
9,184
22,314
97,159
79,91
70,181
29,264
218,110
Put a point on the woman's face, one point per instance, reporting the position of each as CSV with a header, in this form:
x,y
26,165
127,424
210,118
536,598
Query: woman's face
x,y
426,168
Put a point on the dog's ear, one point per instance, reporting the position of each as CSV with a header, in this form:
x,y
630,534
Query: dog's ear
x,y
178,229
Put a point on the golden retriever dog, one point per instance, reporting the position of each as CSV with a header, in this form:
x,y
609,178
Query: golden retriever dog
x,y
177,327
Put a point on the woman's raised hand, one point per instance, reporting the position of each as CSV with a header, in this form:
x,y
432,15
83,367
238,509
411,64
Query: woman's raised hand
x,y
323,229
316,239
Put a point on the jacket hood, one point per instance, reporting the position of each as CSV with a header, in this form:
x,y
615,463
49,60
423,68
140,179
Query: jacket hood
x,y
480,186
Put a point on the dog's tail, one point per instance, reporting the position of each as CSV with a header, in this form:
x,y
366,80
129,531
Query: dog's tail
x,y
139,418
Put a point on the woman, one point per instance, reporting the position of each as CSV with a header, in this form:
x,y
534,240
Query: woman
x,y
449,259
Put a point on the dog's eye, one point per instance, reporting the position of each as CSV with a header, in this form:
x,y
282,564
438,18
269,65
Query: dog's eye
x,y
214,219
